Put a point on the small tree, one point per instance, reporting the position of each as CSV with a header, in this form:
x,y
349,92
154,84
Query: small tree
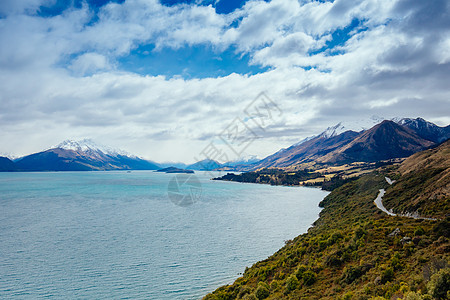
x,y
291,283
262,291
439,284
309,277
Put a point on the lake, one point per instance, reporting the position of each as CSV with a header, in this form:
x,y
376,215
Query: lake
x,y
139,234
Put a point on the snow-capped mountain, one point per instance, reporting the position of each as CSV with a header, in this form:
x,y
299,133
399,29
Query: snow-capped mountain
x,y
359,141
333,131
9,156
354,125
425,129
89,146
84,155
243,160
6,165
302,141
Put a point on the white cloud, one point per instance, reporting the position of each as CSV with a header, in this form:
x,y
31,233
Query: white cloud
x,y
58,75
8,7
89,63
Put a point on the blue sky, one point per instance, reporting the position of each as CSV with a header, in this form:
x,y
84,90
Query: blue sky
x,y
155,77
192,61
196,61
189,62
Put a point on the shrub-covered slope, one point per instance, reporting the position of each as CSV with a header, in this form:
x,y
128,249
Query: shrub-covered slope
x,y
422,184
354,251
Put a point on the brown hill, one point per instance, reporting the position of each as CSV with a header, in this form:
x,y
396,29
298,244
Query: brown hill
x,y
384,141
423,184
307,151
59,159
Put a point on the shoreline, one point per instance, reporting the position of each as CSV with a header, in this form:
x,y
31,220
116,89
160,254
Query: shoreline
x,y
286,242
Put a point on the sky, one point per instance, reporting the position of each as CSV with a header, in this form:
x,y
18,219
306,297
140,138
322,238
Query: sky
x,y
169,80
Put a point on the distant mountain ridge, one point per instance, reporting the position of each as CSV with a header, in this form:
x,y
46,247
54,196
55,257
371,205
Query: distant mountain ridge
x,y
82,155
425,129
386,140
204,165
210,164
389,139
307,151
89,146
6,165
396,138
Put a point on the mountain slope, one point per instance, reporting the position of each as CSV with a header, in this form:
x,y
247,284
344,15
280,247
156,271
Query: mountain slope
x,y
82,156
306,151
204,165
6,164
426,130
422,184
384,141
355,251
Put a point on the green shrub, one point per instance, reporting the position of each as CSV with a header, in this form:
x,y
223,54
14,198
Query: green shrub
x,y
439,284
244,291
291,283
395,262
359,233
322,245
351,274
262,291
443,228
309,277
279,275
333,260
387,275
419,231
412,296
300,270
334,238
250,297
348,296
274,285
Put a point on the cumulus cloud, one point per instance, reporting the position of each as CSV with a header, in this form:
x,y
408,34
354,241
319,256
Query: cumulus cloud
x,y
8,7
89,63
59,76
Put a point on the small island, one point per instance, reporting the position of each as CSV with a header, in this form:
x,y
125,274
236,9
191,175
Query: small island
x,y
175,170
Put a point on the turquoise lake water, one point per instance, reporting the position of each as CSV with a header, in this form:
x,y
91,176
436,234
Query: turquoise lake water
x,y
117,235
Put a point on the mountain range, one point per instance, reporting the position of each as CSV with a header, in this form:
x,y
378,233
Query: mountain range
x,y
389,139
6,165
357,251
83,155
386,140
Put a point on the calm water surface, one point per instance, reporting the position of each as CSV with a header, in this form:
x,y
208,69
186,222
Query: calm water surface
x,y
99,235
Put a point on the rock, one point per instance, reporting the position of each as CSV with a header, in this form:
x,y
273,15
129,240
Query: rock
x,y
395,232
405,239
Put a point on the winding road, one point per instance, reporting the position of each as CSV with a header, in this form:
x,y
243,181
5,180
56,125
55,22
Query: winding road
x,y
379,204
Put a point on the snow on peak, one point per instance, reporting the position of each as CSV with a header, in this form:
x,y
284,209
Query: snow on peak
x,y
417,123
88,145
333,131
302,141
244,159
354,125
341,127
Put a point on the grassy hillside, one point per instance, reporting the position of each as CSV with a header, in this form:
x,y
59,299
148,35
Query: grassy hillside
x,y
350,253
422,184
327,176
